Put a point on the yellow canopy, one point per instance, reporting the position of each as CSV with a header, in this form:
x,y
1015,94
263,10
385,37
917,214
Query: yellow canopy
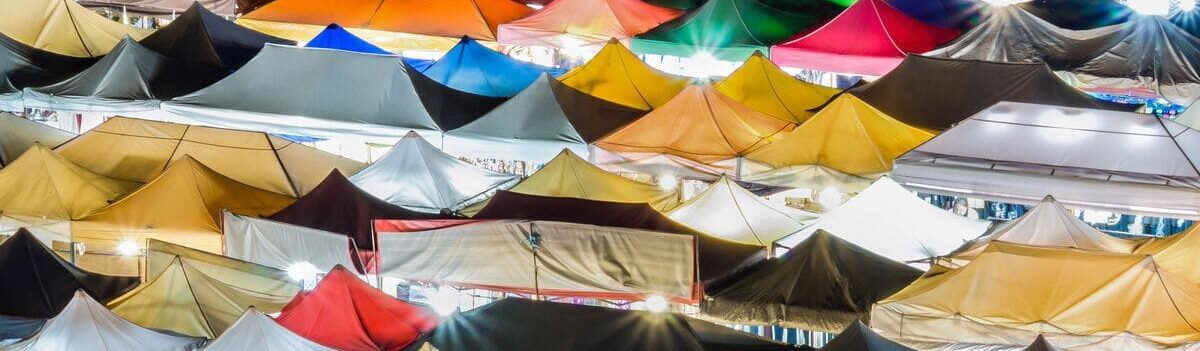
x,y
200,294
1177,253
617,75
182,206
1011,293
847,136
139,150
763,86
63,27
699,124
43,184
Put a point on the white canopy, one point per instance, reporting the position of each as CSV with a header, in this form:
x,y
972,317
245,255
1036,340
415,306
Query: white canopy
x,y
1048,224
893,222
728,211
416,175
280,245
256,331
86,325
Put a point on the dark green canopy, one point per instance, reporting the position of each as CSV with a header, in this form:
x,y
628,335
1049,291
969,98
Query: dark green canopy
x,y
733,29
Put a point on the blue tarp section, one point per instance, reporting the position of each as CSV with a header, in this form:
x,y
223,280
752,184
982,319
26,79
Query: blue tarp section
x,y
943,13
336,37
475,69
418,64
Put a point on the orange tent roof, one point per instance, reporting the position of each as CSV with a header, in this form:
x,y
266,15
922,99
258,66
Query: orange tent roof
x,y
567,23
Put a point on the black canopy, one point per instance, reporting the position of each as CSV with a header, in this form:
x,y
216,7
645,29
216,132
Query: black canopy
x,y
522,324
24,66
824,284
450,108
12,328
203,38
1079,14
859,337
1152,52
936,93
132,72
37,283
1040,344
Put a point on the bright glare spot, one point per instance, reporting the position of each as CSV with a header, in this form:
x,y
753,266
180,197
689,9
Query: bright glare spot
x,y
1187,5
1150,7
573,48
444,301
703,64
301,271
656,304
668,182
830,197
128,248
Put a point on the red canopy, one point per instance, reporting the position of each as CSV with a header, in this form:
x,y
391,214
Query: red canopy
x,y
345,313
869,38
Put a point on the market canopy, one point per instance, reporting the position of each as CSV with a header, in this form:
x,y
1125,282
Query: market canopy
x,y
565,259
200,294
1175,253
540,121
416,175
730,212
523,324
616,74
962,14
203,38
17,328
130,78
1049,224
764,87
345,313
732,30
257,331
1149,57
903,227
823,284
393,24
935,94
860,337
281,246
312,92
18,134
450,108
39,283
1040,344
140,150
1079,14
869,38
336,37
1106,160
86,324
1077,299
63,27
1013,34
848,144
476,69
23,66
43,184
571,24
219,8
180,206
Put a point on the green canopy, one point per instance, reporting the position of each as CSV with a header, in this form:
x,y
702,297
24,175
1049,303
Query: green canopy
x,y
732,30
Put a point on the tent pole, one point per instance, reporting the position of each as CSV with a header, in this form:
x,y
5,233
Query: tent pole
x,y
737,171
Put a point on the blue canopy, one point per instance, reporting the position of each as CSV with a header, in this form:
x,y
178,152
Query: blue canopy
x,y
476,69
943,13
336,37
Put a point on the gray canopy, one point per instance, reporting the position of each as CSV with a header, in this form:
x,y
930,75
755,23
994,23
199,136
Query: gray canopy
x,y
1149,56
1013,34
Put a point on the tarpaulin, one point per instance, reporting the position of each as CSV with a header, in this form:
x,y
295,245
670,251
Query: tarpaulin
x,y
1049,224
1149,57
1175,253
40,283
24,66
476,69
1012,34
85,325
257,331
1019,153
205,39
860,337
18,134
336,37
345,313
727,211
1079,14
43,184
139,150
280,245
869,38
450,108
763,86
63,27
571,24
732,30
616,74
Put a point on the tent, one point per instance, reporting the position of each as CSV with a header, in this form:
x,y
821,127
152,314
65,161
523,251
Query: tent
x,y
1106,160
85,325
257,331
1013,34
16,328
522,324
203,38
538,122
1149,57
616,74
1077,299
847,145
336,37
159,8
732,30
961,14
823,284
140,150
450,108
1040,344
1079,14
730,212
416,175
131,78
761,85
571,24
280,245
312,92
18,134
180,206
39,283
63,27
860,337
338,206
43,184
200,294
1175,253
902,227
474,68
566,259
392,24
1049,224
23,66
869,38
345,313
935,94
